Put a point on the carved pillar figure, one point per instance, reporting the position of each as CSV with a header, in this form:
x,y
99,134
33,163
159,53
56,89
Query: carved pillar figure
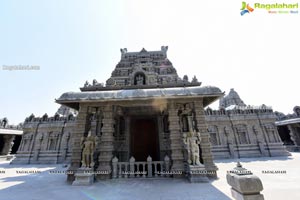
x,y
205,143
106,144
192,140
175,140
88,145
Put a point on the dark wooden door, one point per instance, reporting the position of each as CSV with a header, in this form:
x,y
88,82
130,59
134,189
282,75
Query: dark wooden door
x,y
144,139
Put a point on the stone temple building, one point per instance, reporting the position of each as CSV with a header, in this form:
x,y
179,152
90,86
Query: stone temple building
x,y
237,130
10,138
289,129
147,118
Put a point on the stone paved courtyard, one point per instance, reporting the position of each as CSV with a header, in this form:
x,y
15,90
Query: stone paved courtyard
x,y
47,186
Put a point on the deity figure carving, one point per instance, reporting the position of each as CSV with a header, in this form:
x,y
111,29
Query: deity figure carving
x,y
139,80
186,118
192,140
88,145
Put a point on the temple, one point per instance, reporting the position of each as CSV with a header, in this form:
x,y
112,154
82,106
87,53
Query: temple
x,y
239,130
289,128
148,119
10,138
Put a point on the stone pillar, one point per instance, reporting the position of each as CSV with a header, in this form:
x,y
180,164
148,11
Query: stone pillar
x,y
205,143
127,132
149,166
115,167
79,130
176,141
131,167
8,140
106,147
293,135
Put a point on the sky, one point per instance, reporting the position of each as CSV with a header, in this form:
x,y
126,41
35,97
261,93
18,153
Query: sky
x,y
72,41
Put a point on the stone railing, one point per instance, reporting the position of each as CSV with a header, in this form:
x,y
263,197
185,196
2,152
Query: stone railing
x,y
4,125
45,118
240,110
143,169
12,127
281,116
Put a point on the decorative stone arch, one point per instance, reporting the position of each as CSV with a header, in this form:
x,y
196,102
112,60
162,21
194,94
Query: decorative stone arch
x,y
139,78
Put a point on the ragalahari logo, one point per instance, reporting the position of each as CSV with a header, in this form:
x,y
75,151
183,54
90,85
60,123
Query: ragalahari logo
x,y
246,8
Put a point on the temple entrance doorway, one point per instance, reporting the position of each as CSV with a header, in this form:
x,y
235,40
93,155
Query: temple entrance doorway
x,y
144,138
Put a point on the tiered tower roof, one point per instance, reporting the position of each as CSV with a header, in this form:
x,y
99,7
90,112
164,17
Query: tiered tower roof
x,y
144,69
232,99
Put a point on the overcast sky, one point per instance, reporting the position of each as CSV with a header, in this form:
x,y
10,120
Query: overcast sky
x,y
73,41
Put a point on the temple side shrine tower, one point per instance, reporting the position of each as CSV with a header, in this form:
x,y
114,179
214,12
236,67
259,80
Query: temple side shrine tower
x,y
145,118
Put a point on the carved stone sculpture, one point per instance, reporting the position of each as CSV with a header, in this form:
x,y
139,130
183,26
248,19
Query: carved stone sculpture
x,y
195,152
95,82
139,80
192,140
86,84
88,145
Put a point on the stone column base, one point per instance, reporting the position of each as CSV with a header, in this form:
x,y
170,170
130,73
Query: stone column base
x,y
197,174
84,176
244,185
235,194
7,157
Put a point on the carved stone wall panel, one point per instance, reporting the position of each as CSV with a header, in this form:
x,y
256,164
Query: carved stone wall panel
x,y
106,147
205,143
78,132
175,139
